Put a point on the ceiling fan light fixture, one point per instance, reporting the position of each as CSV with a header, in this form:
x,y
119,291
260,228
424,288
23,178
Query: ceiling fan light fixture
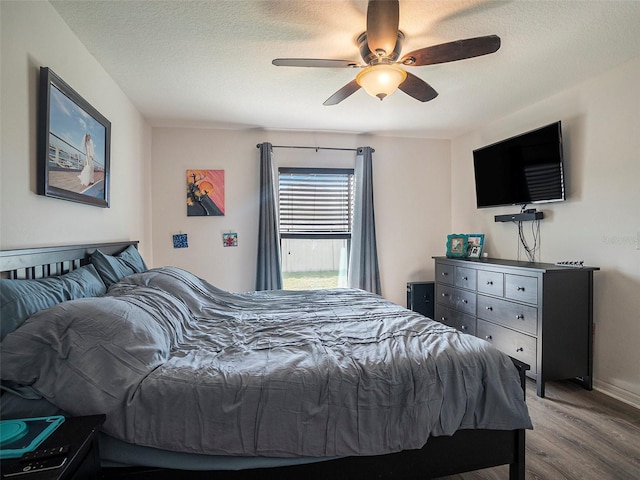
x,y
381,80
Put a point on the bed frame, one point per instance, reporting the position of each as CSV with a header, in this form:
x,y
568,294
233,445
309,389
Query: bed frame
x,y
464,451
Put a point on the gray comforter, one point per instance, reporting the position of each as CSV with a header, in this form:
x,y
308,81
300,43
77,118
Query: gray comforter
x,y
178,364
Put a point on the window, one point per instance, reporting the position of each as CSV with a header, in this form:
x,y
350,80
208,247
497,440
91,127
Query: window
x,y
316,213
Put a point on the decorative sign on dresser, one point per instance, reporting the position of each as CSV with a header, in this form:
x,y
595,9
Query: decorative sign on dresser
x,y
538,313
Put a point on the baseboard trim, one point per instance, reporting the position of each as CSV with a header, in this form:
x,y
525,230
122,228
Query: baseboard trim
x,y
617,393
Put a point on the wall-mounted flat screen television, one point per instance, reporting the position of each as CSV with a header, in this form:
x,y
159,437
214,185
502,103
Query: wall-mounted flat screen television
x,y
520,170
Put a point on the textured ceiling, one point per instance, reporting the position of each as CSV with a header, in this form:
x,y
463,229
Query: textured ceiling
x,y
208,63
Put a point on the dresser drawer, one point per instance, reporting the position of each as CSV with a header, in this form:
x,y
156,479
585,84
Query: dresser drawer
x,y
510,314
460,300
521,288
444,273
465,278
461,321
517,345
445,295
491,283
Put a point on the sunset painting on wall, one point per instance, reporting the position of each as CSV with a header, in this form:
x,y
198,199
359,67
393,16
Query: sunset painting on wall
x,y
205,193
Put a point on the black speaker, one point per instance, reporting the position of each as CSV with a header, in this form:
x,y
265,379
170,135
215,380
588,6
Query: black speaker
x,y
420,298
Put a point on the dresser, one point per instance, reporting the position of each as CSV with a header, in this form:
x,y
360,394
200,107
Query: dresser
x,y
538,313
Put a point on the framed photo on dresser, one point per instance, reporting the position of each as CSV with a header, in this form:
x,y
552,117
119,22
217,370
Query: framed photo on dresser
x,y
457,245
475,244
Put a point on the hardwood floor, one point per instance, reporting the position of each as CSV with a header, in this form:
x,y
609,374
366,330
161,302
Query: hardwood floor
x,y
577,435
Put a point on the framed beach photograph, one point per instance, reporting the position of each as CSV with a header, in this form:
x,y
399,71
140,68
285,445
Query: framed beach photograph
x,y
475,243
457,245
74,144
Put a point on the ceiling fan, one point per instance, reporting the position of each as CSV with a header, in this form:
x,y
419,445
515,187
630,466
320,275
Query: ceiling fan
x,y
380,46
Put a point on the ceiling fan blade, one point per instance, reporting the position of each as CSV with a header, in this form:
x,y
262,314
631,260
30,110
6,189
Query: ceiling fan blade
x,y
417,88
383,17
314,62
452,51
343,93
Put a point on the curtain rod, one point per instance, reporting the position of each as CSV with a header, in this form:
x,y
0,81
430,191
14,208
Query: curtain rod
x,y
313,148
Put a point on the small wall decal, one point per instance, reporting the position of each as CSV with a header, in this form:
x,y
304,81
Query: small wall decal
x,y
230,239
205,193
180,241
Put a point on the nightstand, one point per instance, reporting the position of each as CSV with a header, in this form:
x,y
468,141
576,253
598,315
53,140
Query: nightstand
x,y
83,457
420,298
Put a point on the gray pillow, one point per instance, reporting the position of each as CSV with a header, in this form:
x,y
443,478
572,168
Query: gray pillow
x,y
19,299
113,268
131,256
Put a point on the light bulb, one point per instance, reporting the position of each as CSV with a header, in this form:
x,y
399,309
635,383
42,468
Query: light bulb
x,y
381,80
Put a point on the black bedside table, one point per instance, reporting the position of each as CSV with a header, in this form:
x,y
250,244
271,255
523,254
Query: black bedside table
x,y
83,457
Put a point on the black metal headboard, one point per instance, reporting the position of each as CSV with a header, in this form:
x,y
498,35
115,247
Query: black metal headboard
x,y
41,262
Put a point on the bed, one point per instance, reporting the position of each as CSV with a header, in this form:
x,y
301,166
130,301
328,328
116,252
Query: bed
x,y
279,415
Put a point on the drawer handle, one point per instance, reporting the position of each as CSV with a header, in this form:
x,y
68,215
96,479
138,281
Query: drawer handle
x,y
521,289
519,317
489,282
488,337
444,274
519,349
465,301
445,294
463,327
443,319
489,308
465,278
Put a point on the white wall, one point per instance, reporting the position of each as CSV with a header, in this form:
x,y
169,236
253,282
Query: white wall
x,y
600,221
34,35
411,192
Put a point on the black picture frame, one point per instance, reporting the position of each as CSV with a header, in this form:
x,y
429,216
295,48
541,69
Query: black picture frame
x,y
74,145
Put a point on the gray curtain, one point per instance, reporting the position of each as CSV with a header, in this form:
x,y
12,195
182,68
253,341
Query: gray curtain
x,y
363,259
269,271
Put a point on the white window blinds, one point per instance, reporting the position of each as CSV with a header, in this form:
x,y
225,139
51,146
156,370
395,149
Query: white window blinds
x,y
315,202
